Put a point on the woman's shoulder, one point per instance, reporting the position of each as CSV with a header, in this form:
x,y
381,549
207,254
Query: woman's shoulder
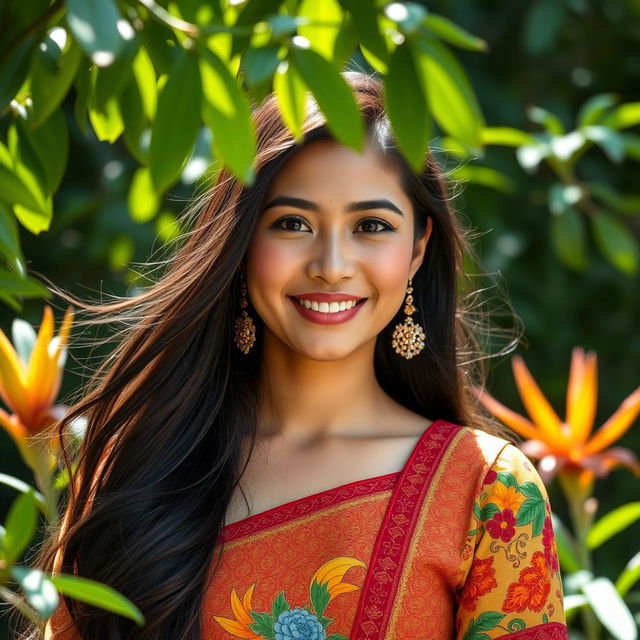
x,y
498,459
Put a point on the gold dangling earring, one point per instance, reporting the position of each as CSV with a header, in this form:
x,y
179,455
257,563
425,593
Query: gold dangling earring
x,y
408,337
244,334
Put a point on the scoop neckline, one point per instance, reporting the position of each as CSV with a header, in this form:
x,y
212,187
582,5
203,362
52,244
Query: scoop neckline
x,y
234,530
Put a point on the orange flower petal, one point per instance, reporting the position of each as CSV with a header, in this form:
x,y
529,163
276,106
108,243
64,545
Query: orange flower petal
x,y
40,374
238,609
63,335
235,628
343,587
246,600
582,394
536,404
616,425
512,419
13,426
13,379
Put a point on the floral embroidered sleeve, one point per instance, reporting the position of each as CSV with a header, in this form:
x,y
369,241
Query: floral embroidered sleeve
x,y
510,580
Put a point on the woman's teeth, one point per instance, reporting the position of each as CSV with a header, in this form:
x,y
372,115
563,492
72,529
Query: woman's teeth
x,y
327,307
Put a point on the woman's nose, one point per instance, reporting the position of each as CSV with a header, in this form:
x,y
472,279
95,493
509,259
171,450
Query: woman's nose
x,y
333,259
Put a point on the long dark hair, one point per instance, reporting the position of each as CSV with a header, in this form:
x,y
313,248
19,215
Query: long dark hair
x,y
169,409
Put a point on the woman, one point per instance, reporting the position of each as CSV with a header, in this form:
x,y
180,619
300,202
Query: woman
x,y
285,443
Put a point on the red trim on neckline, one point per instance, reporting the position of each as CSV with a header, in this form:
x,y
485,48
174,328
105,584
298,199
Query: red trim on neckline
x,y
293,509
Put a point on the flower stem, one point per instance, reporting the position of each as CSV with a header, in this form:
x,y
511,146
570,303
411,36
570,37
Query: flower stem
x,y
578,493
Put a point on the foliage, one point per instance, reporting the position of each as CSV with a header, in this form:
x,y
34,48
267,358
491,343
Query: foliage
x,y
164,80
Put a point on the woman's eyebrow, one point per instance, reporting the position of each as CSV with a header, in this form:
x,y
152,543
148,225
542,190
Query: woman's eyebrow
x,y
359,205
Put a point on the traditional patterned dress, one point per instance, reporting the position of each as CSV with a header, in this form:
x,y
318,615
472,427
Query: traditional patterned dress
x,y
457,545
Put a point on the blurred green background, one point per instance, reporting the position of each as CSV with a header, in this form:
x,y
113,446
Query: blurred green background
x,y
551,53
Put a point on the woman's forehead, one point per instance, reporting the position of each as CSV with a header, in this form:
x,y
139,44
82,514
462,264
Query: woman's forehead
x,y
325,168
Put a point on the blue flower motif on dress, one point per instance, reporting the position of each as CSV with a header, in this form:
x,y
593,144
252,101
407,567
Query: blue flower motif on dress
x,y
298,624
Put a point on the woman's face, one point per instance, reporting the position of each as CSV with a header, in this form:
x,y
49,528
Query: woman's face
x,y
333,221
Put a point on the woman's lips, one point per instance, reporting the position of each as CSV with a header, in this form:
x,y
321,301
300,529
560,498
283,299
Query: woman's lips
x,y
326,318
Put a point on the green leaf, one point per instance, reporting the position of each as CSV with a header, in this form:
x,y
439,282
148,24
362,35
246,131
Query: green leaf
x,y
13,284
82,84
569,238
107,124
14,69
333,95
629,576
345,44
177,121
50,142
631,145
260,63
97,594
291,94
506,136
135,123
62,479
566,546
365,21
320,597
624,116
20,525
49,88
628,203
323,37
452,33
14,189
610,608
228,115
10,241
531,490
593,109
99,28
143,200
484,176
40,592
612,523
532,511
488,511
145,75
609,139
507,479
548,120
35,220
450,97
407,106
23,487
408,16
615,241
279,605
111,80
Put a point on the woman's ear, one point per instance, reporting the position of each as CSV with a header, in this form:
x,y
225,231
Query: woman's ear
x,y
420,247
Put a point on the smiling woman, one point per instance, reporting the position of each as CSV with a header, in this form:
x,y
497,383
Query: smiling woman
x,y
286,443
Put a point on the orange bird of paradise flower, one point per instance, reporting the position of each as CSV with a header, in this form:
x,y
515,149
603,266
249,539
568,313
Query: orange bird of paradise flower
x,y
29,388
240,626
568,446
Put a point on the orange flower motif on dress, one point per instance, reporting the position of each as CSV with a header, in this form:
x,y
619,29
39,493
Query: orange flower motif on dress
x,y
507,497
481,580
284,622
532,588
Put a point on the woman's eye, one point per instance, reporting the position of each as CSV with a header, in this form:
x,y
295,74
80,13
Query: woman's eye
x,y
286,223
370,225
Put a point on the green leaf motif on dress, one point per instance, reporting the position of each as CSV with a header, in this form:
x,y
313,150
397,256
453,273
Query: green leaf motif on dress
x,y
484,622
